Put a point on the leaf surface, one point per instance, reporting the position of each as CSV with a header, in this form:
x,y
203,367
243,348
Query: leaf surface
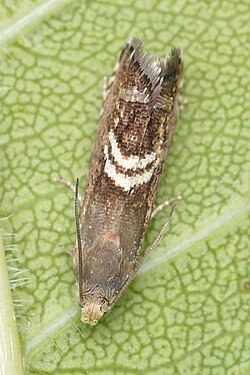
x,y
187,312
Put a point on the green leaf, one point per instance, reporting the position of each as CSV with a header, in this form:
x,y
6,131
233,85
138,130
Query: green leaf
x,y
187,312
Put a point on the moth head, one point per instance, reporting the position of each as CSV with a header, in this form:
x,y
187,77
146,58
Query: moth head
x,y
93,308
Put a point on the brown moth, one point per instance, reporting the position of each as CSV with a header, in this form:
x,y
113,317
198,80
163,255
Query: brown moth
x,y
135,131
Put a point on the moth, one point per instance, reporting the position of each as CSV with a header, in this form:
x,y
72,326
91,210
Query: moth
x,y
135,130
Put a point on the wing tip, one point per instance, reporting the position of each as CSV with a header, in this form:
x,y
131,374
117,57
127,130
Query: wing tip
x,y
154,67
174,63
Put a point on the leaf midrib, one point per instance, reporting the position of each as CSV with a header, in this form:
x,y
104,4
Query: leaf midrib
x,y
39,13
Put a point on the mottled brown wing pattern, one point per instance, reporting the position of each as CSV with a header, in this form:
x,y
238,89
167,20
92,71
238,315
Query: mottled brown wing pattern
x,y
135,130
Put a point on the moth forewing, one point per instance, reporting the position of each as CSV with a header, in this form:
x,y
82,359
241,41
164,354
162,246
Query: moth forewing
x,y
135,130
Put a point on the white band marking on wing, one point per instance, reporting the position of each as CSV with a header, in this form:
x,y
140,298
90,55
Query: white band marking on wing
x,y
129,162
125,182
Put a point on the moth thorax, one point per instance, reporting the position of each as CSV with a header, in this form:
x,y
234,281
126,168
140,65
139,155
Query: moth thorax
x,y
92,311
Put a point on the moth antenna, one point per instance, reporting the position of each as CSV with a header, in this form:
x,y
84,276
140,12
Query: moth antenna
x,y
146,255
79,240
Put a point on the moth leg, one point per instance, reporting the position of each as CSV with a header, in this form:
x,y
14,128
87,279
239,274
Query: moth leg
x,y
107,83
105,87
182,102
71,186
67,251
146,255
165,204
